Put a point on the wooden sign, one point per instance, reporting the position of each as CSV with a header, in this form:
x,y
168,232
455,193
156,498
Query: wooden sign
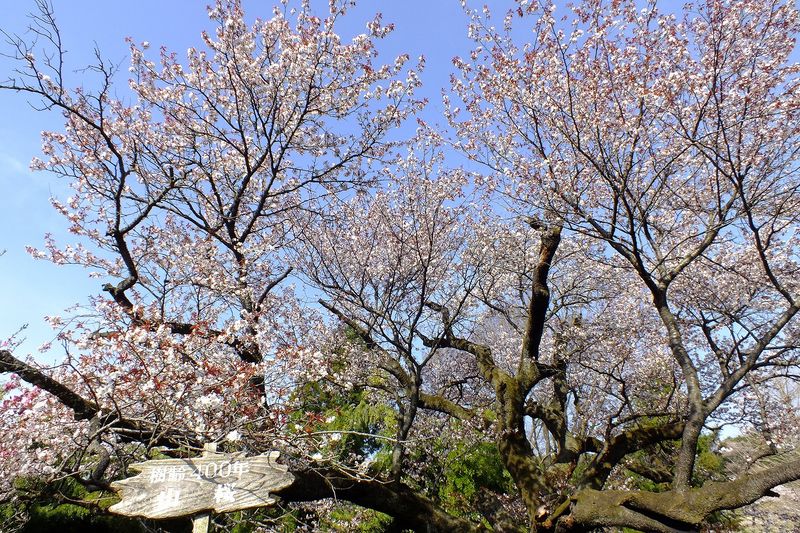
x,y
222,483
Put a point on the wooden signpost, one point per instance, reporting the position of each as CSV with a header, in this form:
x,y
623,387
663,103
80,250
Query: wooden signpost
x,y
222,483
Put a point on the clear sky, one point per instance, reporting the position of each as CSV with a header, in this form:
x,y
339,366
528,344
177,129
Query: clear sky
x,y
30,289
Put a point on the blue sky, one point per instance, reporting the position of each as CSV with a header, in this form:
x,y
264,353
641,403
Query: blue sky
x,y
30,289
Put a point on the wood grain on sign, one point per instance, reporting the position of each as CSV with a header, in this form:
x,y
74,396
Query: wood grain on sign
x,y
222,483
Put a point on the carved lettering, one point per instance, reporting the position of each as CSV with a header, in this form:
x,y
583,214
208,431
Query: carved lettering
x,y
215,482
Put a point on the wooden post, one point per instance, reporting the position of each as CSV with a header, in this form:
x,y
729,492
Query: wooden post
x,y
201,522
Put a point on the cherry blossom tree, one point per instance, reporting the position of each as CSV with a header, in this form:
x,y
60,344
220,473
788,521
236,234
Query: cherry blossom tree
x,y
612,279
670,143
184,200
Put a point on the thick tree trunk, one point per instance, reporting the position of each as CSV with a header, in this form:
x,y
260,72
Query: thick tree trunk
x,y
674,510
409,509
